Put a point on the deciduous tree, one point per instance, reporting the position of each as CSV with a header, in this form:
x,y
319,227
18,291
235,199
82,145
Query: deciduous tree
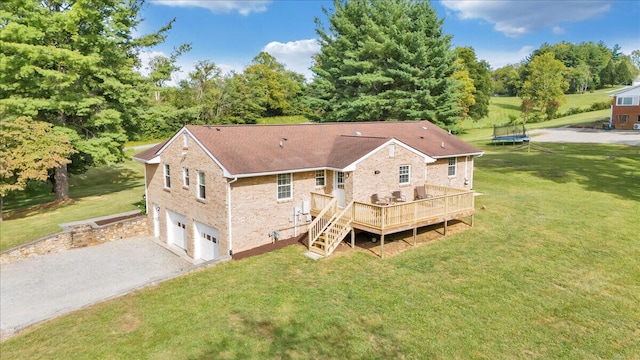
x,y
545,85
72,64
28,149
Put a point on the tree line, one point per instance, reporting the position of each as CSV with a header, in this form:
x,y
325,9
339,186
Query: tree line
x,y
70,80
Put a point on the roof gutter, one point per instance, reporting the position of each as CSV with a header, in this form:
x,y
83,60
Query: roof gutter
x,y
459,155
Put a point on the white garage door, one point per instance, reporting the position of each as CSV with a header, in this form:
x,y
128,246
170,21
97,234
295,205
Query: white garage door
x,y
176,229
206,242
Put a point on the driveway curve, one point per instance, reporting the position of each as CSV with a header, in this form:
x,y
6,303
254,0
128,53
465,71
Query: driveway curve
x,y
576,135
43,287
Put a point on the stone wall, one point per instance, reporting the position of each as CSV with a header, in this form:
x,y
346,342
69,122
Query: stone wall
x,y
78,235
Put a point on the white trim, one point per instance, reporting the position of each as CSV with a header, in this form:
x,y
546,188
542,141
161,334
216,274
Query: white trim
x,y
290,185
201,184
352,166
457,155
408,174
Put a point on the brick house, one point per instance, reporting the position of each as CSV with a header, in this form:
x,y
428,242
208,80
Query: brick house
x,y
625,108
218,190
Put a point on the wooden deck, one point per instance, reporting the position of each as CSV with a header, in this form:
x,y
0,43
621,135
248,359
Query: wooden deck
x,y
441,205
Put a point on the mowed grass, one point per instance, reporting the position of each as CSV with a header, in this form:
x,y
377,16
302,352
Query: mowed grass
x,y
502,108
100,191
550,270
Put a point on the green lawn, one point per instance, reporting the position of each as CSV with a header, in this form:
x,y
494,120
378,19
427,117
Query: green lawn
x,y
297,119
549,271
100,191
501,108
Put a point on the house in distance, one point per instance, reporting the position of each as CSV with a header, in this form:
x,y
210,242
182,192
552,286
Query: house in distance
x,y
213,191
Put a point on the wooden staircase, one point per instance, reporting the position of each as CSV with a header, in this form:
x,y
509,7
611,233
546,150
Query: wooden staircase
x,y
329,228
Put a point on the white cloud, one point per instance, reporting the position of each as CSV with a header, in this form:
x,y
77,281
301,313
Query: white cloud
x,y
500,58
558,30
244,7
295,55
515,18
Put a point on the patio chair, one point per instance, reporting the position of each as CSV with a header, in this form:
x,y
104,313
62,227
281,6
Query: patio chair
x,y
420,193
375,199
397,196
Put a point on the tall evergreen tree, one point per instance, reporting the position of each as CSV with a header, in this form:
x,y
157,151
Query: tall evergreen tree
x,y
385,60
72,64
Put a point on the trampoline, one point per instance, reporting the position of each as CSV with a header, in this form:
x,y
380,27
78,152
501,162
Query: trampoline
x,y
510,133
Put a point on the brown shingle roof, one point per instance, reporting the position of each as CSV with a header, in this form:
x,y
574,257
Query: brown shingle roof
x,y
252,149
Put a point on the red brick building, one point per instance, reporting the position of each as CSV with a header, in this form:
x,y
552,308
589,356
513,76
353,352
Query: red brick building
x,y
625,109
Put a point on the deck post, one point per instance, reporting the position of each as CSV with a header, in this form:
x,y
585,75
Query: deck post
x,y
382,246
415,231
445,226
353,238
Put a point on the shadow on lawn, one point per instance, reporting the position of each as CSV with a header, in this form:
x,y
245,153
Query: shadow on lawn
x,y
96,182
328,338
602,168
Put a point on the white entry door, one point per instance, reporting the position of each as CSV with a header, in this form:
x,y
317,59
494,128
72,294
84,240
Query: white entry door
x,y
176,229
338,187
207,242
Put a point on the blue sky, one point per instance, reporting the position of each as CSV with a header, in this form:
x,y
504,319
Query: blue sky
x,y
230,33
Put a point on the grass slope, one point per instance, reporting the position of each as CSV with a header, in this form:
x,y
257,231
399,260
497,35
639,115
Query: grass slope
x,y
501,108
549,271
98,192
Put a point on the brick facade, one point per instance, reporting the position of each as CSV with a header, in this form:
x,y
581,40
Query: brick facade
x,y
256,213
630,113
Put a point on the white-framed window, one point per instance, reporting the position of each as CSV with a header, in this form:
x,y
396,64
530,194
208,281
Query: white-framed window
x,y
340,180
202,189
405,174
622,119
185,177
627,101
320,178
167,176
285,186
453,166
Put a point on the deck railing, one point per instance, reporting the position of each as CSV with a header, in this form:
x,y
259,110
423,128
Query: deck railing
x,y
339,228
319,201
401,214
320,223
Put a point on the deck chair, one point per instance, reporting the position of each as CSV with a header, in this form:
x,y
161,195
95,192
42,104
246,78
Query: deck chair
x,y
397,196
375,199
420,193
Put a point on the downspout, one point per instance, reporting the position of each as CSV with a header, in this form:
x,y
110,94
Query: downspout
x,y
146,191
230,236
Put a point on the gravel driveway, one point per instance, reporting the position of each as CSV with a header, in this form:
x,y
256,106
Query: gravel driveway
x,y
575,135
40,288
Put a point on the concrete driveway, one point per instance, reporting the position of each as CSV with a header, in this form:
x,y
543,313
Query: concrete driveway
x,y
596,136
40,288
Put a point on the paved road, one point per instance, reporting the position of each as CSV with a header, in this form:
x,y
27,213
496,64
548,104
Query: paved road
x,y
40,288
574,135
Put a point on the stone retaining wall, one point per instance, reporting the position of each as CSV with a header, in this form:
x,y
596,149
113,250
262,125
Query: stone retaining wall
x,y
78,235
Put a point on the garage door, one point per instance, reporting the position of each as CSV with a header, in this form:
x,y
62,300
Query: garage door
x,y
176,229
206,242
